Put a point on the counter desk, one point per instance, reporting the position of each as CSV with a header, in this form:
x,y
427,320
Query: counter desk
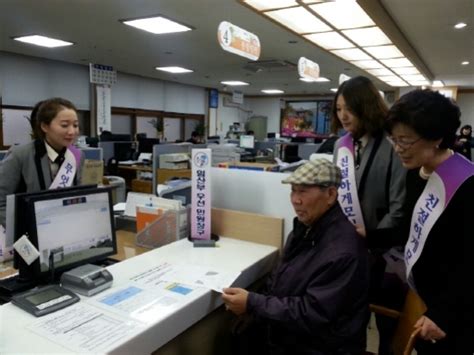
x,y
193,325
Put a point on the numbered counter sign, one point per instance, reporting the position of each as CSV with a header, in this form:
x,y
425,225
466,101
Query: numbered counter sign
x,y
308,69
236,40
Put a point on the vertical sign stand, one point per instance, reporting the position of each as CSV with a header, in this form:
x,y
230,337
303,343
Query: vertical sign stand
x,y
201,198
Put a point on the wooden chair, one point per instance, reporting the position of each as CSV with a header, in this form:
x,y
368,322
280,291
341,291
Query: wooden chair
x,y
405,335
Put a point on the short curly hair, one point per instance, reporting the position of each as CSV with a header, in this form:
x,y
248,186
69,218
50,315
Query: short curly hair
x,y
430,114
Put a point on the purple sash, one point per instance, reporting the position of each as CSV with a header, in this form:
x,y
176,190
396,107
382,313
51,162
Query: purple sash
x,y
440,188
348,196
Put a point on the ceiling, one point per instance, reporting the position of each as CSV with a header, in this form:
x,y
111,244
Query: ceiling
x,y
99,37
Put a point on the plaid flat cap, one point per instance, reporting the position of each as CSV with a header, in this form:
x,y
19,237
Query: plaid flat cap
x,y
320,172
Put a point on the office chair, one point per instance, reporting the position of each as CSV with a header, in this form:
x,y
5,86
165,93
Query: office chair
x,y
405,335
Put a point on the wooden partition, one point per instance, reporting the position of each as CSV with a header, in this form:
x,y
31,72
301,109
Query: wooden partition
x,y
248,226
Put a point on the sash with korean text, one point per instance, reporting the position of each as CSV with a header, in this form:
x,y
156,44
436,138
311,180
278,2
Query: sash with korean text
x,y
67,170
348,197
201,194
440,188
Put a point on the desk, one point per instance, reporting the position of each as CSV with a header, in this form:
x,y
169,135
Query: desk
x,y
254,260
130,174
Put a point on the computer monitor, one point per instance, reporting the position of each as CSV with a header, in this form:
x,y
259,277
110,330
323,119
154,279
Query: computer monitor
x,y
68,227
112,137
247,142
180,192
124,151
145,145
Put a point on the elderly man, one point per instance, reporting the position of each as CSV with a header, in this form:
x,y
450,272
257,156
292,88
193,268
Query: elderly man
x,y
316,298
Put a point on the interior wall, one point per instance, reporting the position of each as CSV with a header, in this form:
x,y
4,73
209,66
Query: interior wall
x,y
466,104
26,80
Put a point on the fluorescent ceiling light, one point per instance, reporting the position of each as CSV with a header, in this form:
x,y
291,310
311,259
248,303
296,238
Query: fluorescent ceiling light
x,y
174,70
234,83
157,25
367,64
437,84
406,70
383,71
43,41
299,20
398,83
272,91
397,63
460,25
330,40
388,78
318,80
419,83
414,77
270,4
372,36
343,14
384,52
334,89
465,63
351,54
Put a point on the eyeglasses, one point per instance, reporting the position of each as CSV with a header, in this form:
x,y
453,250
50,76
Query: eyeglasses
x,y
402,143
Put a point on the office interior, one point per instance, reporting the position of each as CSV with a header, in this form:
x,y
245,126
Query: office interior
x,y
155,112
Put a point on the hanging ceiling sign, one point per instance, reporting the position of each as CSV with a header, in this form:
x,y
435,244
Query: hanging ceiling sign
x,y
236,40
308,69
343,77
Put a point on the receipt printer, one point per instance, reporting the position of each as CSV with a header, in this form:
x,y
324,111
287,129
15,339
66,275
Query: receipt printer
x,y
87,279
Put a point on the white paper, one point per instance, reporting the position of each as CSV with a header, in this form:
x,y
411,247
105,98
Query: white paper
x,y
204,276
86,329
26,249
144,305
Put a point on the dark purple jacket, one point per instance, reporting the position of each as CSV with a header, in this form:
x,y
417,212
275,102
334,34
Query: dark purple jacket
x,y
316,299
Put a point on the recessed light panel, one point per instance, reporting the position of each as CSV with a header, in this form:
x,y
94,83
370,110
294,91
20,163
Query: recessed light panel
x,y
406,70
382,71
234,83
343,14
413,77
397,83
397,63
299,20
333,89
384,52
174,70
157,25
351,54
437,84
273,91
367,64
330,40
388,78
270,4
465,63
318,80
460,25
419,83
43,41
372,36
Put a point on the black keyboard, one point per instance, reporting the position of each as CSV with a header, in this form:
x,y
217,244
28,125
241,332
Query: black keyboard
x,y
13,285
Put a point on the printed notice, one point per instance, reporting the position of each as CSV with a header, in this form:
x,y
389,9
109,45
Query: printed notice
x,y
85,329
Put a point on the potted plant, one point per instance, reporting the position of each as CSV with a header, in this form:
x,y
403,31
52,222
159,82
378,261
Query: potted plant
x,y
157,123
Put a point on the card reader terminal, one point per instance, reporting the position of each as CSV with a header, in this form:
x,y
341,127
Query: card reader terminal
x,y
44,300
87,279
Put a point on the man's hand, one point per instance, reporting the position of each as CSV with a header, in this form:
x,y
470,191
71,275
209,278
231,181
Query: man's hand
x,y
429,330
235,300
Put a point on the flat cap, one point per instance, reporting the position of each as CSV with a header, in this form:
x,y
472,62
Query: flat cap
x,y
319,172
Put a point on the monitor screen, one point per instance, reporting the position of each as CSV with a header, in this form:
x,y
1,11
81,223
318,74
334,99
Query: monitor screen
x,y
145,145
124,151
69,228
247,142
